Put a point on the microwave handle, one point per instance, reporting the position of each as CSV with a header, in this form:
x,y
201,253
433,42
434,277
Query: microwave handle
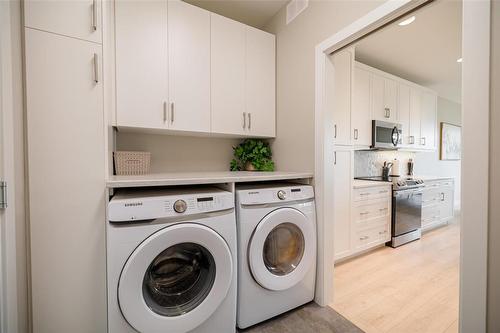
x,y
395,139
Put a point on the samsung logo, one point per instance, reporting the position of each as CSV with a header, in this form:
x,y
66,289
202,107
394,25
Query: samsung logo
x,y
133,204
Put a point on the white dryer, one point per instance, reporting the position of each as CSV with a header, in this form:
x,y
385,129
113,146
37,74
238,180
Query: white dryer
x,y
171,261
276,250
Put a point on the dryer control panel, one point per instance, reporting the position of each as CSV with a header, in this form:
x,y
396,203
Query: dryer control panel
x,y
270,194
127,206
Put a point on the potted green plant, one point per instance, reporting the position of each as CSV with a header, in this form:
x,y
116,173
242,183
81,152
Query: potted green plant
x,y
252,155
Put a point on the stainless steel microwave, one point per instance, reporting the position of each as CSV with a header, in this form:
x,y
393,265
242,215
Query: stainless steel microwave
x,y
386,135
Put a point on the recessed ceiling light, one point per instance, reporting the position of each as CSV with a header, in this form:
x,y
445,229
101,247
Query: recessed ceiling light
x,y
407,21
459,60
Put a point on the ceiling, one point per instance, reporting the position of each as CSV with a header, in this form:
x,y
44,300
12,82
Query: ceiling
x,y
425,51
255,13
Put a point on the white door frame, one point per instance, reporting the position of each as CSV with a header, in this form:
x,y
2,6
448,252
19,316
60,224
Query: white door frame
x,y
8,262
473,268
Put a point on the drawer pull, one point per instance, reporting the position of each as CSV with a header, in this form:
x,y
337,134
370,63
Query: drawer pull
x,y
363,194
382,232
364,213
363,238
383,209
385,191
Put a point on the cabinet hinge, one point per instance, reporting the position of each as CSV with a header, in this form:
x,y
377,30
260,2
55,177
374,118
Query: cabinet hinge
x,y
3,194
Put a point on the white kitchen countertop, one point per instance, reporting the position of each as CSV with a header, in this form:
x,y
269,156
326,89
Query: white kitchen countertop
x,y
359,183
430,178
194,178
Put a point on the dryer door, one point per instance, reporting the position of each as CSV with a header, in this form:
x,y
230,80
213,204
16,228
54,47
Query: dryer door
x,y
282,249
175,279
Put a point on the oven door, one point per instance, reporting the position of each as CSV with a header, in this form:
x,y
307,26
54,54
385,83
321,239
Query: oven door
x,y
407,211
386,135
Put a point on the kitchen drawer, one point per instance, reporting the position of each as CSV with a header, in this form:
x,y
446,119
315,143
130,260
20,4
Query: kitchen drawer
x,y
447,183
369,193
371,237
371,223
373,209
431,198
430,216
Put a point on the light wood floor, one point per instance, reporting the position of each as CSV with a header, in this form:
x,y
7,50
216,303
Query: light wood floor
x,y
411,289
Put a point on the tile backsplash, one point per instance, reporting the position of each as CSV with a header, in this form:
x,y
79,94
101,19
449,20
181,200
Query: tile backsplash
x,y
370,162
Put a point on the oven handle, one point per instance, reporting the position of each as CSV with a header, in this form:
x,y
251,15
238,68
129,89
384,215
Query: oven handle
x,y
412,191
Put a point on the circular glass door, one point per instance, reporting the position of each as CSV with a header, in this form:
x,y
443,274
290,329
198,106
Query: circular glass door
x,y
179,279
175,279
282,248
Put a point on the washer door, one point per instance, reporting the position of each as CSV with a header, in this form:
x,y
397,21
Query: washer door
x,y
175,279
282,248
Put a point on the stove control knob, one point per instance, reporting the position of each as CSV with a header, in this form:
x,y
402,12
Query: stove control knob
x,y
180,206
281,195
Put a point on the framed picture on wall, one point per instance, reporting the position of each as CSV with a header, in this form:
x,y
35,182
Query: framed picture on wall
x,y
451,142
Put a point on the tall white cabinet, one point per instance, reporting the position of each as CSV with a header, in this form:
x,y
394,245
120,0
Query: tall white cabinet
x,y
65,153
342,186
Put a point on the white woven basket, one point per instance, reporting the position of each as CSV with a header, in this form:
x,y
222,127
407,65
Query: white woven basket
x,y
132,162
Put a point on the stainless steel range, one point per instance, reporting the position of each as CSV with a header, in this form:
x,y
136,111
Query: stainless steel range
x,y
406,208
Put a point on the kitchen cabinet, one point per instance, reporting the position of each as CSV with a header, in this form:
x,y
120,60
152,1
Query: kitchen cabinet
x,y
415,117
260,83
384,98
341,65
342,186
65,150
188,67
141,64
228,76
403,118
79,19
437,203
361,108
428,125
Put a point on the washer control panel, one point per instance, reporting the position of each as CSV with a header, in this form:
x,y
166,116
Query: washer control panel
x,y
125,207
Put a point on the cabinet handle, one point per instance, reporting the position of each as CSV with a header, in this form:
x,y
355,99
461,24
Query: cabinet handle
x,y
442,196
335,131
164,112
383,209
249,120
96,68
387,113
363,194
334,158
244,120
364,213
172,112
382,232
355,134
384,191
94,15
363,238
412,140
422,141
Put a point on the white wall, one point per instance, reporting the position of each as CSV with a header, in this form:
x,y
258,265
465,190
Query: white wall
x,y
180,153
295,43
429,164
493,322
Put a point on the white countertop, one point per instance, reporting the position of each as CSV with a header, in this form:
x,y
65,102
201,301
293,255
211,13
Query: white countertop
x,y
430,178
359,183
194,178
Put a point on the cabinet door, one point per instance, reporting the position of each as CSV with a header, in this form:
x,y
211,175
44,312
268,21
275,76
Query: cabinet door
x,y
428,121
342,203
260,83
377,96
390,99
446,205
65,138
79,19
361,115
404,112
343,62
141,63
189,67
415,118
228,75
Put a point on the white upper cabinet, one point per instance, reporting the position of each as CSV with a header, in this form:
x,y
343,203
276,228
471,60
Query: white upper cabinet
x,y
260,84
428,120
384,98
361,108
404,111
340,64
228,76
415,117
80,19
141,64
189,67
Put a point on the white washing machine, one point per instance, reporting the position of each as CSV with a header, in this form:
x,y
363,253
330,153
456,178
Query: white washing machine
x,y
276,250
172,261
